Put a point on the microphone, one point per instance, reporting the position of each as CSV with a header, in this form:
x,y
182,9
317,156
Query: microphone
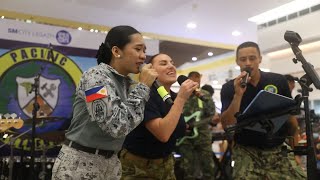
x,y
161,90
244,80
196,92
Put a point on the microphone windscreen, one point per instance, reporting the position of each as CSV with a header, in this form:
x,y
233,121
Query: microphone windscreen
x,y
248,70
182,78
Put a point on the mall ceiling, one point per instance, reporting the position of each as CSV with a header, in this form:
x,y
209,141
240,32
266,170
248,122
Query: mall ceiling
x,y
163,20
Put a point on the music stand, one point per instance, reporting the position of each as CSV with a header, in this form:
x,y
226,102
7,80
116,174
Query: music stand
x,y
266,113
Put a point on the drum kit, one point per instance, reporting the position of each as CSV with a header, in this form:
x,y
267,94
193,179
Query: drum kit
x,y
16,164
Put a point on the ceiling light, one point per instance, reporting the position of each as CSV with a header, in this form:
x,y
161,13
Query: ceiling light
x,y
91,30
210,53
194,58
96,31
215,82
236,33
28,21
289,8
79,28
106,32
191,25
2,17
237,67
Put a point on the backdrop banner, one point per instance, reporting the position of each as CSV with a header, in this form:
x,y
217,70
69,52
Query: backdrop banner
x,y
58,56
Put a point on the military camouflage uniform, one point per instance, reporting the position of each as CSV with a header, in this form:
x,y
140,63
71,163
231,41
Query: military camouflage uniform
x,y
202,145
254,163
136,167
74,164
101,124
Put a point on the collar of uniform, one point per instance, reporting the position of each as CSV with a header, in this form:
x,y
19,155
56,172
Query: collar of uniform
x,y
111,69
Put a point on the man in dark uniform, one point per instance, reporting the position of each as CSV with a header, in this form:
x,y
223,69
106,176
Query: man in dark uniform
x,y
257,156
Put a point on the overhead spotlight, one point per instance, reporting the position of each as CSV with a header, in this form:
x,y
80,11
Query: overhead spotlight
x,y
194,58
236,33
2,17
210,53
79,28
191,25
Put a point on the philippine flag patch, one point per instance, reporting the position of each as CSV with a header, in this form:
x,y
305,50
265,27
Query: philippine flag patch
x,y
96,93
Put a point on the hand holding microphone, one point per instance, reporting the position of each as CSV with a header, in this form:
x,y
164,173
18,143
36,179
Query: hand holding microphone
x,y
147,74
196,92
245,79
187,88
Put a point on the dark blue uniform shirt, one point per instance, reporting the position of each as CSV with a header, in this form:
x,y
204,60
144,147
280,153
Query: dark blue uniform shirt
x,y
142,142
271,82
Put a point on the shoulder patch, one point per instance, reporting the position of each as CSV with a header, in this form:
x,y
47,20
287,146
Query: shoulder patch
x,y
96,93
99,110
271,88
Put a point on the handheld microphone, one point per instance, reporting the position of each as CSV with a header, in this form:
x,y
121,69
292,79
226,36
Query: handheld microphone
x,y
162,92
244,80
160,89
182,79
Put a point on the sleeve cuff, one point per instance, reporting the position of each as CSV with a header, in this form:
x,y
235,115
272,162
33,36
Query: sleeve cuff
x,y
144,91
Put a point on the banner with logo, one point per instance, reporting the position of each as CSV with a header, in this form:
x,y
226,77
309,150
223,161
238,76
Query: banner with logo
x,y
52,60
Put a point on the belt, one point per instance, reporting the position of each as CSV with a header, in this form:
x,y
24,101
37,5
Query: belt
x,y
72,144
125,154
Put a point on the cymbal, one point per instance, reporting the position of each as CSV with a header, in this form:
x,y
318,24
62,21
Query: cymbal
x,y
46,119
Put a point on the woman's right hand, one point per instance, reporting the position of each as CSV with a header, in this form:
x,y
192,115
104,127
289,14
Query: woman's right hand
x,y
148,75
187,88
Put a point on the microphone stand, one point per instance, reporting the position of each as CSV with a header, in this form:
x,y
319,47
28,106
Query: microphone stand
x,y
311,77
36,107
11,159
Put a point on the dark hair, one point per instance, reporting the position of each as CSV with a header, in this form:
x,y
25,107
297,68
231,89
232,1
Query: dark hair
x,y
289,78
148,61
208,88
246,45
192,73
118,36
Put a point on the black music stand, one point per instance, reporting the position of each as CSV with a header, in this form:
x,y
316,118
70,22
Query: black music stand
x,y
266,113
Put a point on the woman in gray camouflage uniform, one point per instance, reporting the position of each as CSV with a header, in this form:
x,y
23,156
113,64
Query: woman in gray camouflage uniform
x,y
107,106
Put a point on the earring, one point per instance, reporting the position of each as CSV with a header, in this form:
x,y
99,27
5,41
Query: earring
x,y
118,56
